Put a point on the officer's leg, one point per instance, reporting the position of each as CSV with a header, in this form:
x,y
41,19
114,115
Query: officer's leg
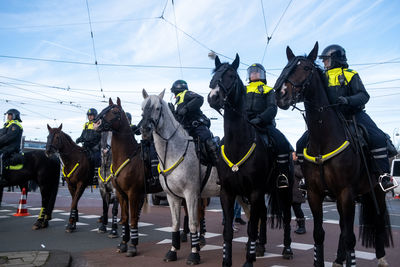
x,y
282,146
205,136
153,160
2,180
378,149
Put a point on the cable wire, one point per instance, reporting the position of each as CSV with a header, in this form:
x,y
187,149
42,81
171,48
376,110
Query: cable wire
x,y
177,39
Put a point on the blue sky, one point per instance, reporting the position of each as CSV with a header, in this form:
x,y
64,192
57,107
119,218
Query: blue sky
x,y
130,37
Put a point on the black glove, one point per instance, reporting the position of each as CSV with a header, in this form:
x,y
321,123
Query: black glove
x,y
79,140
256,121
171,107
342,100
182,111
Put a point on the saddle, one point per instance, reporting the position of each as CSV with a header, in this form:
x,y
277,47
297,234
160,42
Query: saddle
x,y
15,161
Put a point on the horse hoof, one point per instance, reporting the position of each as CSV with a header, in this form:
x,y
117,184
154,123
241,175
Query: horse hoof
x,y
260,250
248,264
37,225
122,247
132,251
193,259
202,241
335,264
102,229
183,237
170,256
382,262
113,234
287,253
100,219
70,228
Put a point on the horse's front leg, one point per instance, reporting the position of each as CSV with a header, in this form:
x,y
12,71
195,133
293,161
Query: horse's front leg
x,y
114,223
135,205
123,200
192,203
106,202
227,203
175,207
315,202
262,236
73,217
286,200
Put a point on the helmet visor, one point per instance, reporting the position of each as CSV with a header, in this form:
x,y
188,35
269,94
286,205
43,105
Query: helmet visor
x,y
255,73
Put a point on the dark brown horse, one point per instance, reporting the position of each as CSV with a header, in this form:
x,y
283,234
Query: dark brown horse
x,y
77,168
46,173
246,167
128,171
327,168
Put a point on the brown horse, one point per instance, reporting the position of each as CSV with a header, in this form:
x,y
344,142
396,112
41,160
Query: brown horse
x,y
78,170
128,170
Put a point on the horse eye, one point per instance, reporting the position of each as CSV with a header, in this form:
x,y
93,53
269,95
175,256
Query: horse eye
x,y
307,68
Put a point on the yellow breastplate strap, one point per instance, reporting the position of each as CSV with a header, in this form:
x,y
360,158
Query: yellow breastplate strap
x,y
102,179
235,167
321,158
119,169
71,172
170,169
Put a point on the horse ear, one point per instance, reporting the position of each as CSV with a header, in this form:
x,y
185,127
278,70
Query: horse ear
x,y
48,127
145,94
161,95
59,128
217,62
289,53
118,101
314,52
110,102
235,63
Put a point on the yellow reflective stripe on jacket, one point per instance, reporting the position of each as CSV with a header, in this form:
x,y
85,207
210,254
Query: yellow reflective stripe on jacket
x,y
14,122
181,97
253,88
88,125
333,76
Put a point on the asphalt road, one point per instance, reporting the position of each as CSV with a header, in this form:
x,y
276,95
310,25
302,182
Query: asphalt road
x,y
90,248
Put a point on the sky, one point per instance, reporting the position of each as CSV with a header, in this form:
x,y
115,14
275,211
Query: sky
x,y
47,54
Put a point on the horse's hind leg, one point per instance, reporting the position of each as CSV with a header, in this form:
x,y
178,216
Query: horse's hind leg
x,y
175,207
383,234
114,223
315,202
105,199
202,220
186,230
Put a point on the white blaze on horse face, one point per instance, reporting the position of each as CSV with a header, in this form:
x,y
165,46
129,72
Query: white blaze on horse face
x,y
214,91
283,89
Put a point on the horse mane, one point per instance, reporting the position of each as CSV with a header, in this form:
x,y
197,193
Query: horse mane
x,y
172,117
70,141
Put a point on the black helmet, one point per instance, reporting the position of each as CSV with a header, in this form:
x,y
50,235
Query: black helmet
x,y
179,86
129,116
258,68
92,111
336,54
15,114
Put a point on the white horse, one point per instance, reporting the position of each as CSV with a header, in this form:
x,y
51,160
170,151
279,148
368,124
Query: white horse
x,y
181,174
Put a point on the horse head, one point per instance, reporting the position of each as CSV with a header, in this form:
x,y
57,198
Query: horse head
x,y
111,118
291,86
53,143
224,84
152,113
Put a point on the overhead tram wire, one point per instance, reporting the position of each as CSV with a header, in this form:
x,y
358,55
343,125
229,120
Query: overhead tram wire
x,y
276,27
177,39
94,50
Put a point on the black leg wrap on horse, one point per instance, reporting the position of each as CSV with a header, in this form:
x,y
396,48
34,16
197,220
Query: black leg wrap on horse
x,y
134,236
318,255
251,251
194,238
203,226
227,254
186,224
125,232
350,258
176,240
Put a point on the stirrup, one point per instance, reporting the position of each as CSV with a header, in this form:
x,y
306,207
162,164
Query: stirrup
x,y
392,180
282,181
302,185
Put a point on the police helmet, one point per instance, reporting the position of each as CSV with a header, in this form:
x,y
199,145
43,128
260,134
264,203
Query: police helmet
x,y
337,56
258,68
15,114
179,86
129,116
92,111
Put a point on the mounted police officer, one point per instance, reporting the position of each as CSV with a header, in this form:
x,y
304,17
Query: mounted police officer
x,y
91,138
346,89
261,110
187,112
10,139
135,128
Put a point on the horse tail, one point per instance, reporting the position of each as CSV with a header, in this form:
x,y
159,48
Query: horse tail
x,y
275,210
375,228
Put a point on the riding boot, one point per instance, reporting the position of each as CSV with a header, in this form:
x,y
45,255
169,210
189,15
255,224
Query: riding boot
x,y
301,226
283,167
212,149
382,161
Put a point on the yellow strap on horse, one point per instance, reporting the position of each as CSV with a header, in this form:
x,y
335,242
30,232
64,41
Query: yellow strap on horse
x,y
15,167
170,169
320,159
235,167
119,169
70,173
108,178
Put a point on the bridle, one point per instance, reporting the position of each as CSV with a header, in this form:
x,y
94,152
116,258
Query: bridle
x,y
226,89
106,125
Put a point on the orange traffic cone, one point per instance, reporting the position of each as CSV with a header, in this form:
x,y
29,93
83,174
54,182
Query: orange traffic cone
x,y
22,210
